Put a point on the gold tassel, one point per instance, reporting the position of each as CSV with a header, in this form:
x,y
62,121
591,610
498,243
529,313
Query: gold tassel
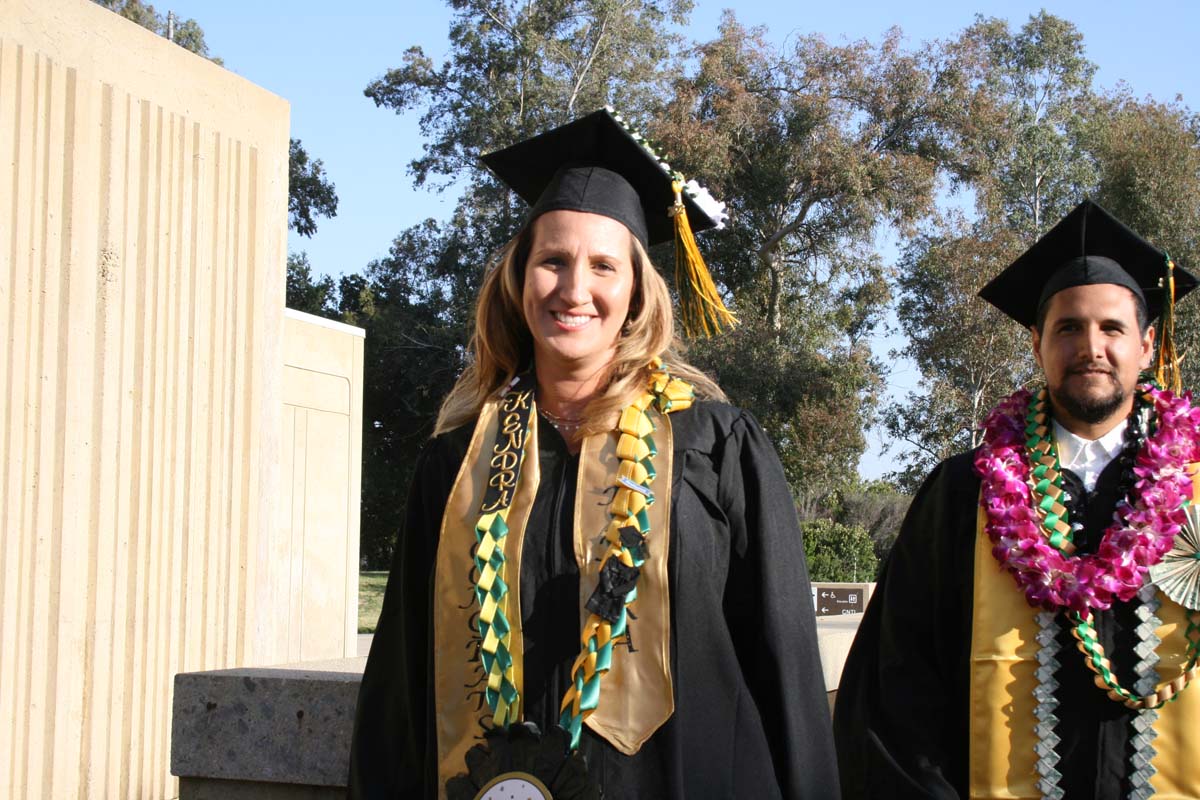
x,y
700,304
1166,365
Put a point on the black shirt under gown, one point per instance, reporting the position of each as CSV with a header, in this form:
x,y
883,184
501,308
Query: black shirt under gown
x,y
901,720
751,717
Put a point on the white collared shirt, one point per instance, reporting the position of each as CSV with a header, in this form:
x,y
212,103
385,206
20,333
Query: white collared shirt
x,y
1087,458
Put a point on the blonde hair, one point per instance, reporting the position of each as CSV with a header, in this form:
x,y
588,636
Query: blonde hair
x,y
502,346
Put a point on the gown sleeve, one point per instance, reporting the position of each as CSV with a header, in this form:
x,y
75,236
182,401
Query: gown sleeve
x,y
768,608
393,726
901,723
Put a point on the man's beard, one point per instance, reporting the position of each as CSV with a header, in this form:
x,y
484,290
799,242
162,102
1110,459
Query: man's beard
x,y
1090,408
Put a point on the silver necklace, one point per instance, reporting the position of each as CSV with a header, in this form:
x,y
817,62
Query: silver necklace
x,y
561,424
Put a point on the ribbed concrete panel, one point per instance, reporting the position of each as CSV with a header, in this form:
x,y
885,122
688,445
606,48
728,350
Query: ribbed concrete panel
x,y
319,504
142,225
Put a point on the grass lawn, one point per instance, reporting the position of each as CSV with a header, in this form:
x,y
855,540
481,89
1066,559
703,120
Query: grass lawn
x,y
370,599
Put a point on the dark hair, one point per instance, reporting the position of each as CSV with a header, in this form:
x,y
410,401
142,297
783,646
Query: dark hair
x,y
1143,316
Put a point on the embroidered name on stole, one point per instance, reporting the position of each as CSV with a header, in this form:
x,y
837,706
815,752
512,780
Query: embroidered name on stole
x,y
459,679
1004,649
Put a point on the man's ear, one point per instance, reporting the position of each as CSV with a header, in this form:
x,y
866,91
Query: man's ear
x,y
1036,344
1147,348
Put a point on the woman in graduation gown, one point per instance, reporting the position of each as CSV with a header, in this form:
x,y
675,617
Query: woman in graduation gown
x,y
600,588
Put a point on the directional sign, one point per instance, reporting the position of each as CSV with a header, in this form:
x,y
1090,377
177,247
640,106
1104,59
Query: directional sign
x,y
834,599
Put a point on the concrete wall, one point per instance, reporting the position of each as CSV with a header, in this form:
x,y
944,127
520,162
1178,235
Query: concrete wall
x,y
142,245
319,508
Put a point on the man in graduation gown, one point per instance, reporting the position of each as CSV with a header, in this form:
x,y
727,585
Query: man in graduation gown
x,y
962,683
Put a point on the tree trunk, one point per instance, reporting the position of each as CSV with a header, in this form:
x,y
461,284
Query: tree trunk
x,y
773,313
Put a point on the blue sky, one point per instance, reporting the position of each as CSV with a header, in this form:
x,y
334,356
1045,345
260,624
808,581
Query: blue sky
x,y
320,56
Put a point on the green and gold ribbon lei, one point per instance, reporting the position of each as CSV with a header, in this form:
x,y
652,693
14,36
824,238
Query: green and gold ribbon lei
x,y
1084,631
1046,477
635,476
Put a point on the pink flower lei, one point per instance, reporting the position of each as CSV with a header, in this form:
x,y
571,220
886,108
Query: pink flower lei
x,y
1143,528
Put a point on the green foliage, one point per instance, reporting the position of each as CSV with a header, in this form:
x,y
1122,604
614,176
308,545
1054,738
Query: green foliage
x,y
371,588
878,508
1024,142
310,192
416,331
814,147
838,553
304,293
809,402
1040,139
1037,141
970,355
517,68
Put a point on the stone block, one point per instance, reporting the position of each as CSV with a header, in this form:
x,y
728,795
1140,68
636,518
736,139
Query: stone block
x,y
286,725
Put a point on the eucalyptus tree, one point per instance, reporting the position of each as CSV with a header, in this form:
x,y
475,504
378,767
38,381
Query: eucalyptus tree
x,y
1020,152
1029,163
817,148
969,354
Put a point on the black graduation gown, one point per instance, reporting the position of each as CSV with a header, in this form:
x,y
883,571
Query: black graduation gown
x,y
751,717
901,719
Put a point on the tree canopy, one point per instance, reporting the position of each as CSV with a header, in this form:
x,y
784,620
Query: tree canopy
x,y
1045,139
963,151
816,148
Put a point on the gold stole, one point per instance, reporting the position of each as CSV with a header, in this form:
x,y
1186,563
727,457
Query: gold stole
x,y
636,695
1004,650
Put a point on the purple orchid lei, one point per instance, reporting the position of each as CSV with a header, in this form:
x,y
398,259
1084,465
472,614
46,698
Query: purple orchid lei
x,y
1144,525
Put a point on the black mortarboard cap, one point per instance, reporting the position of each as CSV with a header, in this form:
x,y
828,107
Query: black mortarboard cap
x,y
600,165
597,164
1088,246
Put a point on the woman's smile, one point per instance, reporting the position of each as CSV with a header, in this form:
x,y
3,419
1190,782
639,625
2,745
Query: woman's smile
x,y
579,282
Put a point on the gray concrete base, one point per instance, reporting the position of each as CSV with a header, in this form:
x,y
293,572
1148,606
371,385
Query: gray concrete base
x,y
286,726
